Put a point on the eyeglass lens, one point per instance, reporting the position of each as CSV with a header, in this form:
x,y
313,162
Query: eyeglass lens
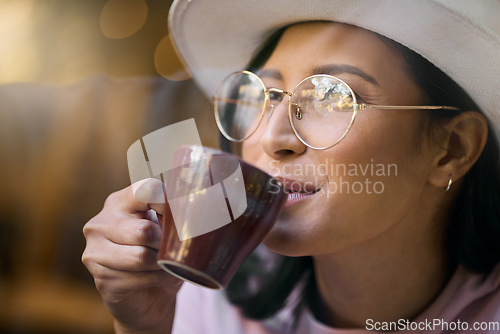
x,y
321,108
239,105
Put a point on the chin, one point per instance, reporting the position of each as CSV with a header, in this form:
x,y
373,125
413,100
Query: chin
x,y
285,242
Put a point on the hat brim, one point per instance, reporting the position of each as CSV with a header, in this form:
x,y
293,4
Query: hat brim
x,y
461,37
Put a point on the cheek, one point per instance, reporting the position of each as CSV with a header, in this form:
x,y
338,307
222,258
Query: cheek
x,y
386,135
251,149
378,167
374,179
381,152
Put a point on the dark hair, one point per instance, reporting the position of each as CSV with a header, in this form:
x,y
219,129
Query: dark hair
x,y
473,228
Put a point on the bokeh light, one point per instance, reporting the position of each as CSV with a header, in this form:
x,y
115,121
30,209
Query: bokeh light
x,y
168,64
19,55
123,18
61,41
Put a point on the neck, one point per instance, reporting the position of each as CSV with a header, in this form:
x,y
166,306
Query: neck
x,y
385,279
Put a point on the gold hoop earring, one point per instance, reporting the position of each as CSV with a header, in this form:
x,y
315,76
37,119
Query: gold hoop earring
x,y
449,184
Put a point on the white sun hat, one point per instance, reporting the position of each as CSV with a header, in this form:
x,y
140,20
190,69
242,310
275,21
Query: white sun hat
x,y
461,37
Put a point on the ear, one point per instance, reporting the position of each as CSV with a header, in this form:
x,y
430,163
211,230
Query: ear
x,y
462,145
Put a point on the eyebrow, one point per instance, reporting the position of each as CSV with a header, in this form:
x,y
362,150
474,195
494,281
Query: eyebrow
x,y
273,74
331,69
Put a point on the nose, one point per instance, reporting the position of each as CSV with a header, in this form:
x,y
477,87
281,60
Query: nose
x,y
279,140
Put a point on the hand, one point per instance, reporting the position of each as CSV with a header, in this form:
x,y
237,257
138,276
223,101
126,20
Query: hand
x,y
122,245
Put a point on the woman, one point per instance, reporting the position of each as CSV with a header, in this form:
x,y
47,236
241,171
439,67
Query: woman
x,y
392,221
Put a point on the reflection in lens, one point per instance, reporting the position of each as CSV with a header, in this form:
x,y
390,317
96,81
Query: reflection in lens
x,y
323,110
239,102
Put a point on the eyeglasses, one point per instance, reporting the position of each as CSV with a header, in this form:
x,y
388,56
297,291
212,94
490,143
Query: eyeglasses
x,y
321,109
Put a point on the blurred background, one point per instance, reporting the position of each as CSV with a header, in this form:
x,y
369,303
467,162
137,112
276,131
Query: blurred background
x,y
80,81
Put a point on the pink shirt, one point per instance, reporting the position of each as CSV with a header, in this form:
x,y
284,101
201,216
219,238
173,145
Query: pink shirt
x,y
469,303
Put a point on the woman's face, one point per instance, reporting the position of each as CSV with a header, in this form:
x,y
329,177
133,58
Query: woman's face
x,y
374,182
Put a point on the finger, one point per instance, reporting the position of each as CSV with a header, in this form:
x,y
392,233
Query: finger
x,y
158,208
124,200
120,228
135,232
149,191
165,214
112,283
123,257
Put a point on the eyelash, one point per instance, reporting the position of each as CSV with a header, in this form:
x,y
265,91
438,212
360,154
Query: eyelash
x,y
358,98
275,96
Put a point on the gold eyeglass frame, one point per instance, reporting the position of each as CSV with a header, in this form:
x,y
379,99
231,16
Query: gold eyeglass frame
x,y
356,107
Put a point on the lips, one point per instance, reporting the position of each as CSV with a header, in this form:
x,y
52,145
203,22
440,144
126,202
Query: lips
x,y
298,186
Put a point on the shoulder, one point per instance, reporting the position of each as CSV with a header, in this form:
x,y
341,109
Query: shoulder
x,y
483,293
480,289
469,297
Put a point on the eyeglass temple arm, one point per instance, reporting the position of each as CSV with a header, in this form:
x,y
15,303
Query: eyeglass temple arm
x,y
372,106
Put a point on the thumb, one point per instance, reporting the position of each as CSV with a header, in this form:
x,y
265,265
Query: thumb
x,y
150,191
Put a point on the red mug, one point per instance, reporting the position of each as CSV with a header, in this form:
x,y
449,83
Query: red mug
x,y
218,209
